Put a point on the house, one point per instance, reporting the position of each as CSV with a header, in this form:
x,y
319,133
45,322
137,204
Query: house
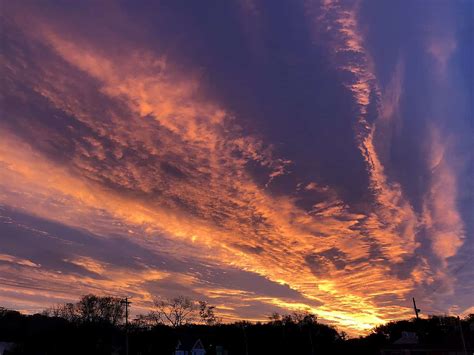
x,y
189,347
6,348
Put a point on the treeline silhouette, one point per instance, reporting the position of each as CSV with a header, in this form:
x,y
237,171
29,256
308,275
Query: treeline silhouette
x,y
97,325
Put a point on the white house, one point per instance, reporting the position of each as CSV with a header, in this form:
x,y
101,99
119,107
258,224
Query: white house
x,y
5,347
186,347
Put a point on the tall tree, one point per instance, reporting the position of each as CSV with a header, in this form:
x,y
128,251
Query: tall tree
x,y
207,314
176,311
90,309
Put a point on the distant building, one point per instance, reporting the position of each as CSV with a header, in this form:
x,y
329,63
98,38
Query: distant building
x,y
188,347
421,350
408,338
221,351
408,344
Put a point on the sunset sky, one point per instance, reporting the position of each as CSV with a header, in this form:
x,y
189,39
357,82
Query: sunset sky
x,y
265,156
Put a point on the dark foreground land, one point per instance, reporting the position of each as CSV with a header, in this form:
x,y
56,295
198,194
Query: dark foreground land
x,y
46,334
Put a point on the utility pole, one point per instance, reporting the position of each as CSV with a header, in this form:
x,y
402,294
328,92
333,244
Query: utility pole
x,y
311,340
126,302
245,340
462,336
417,310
